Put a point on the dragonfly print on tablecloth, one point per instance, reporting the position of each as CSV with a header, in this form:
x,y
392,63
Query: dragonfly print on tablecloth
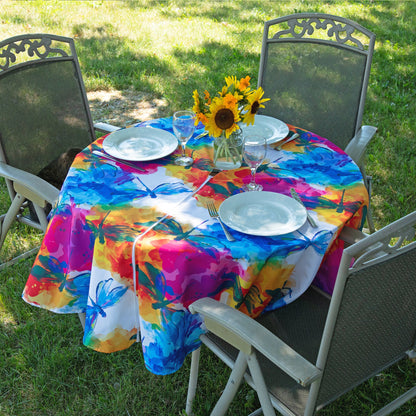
x,y
338,204
52,274
203,269
193,236
319,241
275,273
107,294
110,231
122,178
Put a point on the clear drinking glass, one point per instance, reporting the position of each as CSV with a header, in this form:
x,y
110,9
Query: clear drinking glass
x,y
184,127
254,152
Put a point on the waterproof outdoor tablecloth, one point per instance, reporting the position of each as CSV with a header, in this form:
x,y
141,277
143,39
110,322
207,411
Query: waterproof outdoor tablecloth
x,y
181,254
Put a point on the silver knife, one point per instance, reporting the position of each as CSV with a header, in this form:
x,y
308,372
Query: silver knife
x,y
114,159
200,135
296,197
295,136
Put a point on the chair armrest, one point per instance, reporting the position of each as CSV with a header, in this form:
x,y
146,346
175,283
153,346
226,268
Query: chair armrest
x,y
30,186
105,127
358,144
351,235
222,319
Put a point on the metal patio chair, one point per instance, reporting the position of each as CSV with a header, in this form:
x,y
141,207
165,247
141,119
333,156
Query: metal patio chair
x,y
315,68
305,355
44,118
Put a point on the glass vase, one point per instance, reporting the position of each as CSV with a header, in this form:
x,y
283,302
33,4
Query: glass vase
x,y
228,151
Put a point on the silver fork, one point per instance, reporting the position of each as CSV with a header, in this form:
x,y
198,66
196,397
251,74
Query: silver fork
x,y
214,214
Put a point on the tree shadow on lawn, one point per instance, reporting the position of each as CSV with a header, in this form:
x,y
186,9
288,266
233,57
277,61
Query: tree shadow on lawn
x,y
391,102
160,86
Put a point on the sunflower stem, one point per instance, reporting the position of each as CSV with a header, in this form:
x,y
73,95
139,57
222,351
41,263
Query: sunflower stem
x,y
228,149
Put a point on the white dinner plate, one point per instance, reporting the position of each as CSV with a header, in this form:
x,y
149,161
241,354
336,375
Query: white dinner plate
x,y
262,213
140,143
269,127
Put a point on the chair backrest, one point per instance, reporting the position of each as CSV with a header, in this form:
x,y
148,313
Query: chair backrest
x,y
44,110
375,324
315,68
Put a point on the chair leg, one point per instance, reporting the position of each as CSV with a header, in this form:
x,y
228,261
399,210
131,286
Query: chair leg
x,y
370,221
8,219
18,258
193,380
261,388
232,386
81,317
395,404
368,184
257,412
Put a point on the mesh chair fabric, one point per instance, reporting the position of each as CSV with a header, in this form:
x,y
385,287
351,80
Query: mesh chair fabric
x,y
42,114
316,86
373,328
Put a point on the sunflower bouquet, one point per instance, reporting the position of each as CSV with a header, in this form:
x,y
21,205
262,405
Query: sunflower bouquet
x,y
235,103
221,115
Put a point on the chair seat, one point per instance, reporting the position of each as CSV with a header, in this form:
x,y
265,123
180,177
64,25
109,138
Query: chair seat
x,y
297,324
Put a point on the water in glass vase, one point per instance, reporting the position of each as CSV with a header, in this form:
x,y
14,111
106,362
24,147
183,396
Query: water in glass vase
x,y
228,152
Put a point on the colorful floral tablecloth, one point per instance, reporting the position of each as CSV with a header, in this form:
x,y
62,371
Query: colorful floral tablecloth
x,y
108,212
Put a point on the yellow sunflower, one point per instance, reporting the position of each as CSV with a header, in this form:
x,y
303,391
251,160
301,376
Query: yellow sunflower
x,y
197,103
221,118
254,103
231,81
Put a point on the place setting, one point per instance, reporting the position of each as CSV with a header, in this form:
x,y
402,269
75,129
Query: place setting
x,y
147,143
258,212
140,144
273,129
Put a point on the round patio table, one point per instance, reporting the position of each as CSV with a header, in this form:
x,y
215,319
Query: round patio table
x,y
110,213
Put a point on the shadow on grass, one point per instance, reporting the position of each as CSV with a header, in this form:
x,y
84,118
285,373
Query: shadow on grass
x,y
114,61
392,97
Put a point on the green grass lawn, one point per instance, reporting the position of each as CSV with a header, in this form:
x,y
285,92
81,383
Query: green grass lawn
x,y
165,50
